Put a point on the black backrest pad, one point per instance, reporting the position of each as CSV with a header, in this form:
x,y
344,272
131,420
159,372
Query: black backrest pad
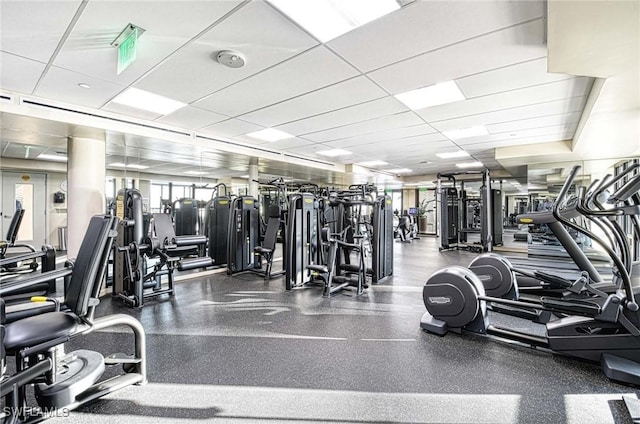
x,y
163,227
14,226
87,266
273,224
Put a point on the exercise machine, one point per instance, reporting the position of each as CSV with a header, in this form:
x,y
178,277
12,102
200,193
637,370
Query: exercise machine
x,y
303,247
243,235
63,382
147,249
218,210
605,328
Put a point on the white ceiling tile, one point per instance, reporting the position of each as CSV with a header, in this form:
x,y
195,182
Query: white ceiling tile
x,y
545,138
526,124
564,89
290,143
497,49
386,136
19,74
487,140
44,21
257,31
557,107
62,85
308,71
230,128
344,94
348,115
131,111
427,25
167,24
512,77
400,120
192,118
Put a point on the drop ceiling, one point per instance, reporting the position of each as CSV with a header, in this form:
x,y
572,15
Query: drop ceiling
x,y
338,94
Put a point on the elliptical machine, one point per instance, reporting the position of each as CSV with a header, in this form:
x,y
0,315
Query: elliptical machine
x,y
604,329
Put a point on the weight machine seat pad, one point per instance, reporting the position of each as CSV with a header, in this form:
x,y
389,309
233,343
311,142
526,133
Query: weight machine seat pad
x,y
262,250
24,310
38,329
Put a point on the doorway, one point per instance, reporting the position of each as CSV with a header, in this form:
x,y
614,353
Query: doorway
x,y
21,190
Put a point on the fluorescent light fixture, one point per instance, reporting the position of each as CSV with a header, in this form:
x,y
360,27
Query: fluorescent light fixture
x,y
373,163
328,19
195,172
334,152
243,176
131,165
136,166
145,100
452,155
470,165
438,94
57,158
476,131
269,134
399,170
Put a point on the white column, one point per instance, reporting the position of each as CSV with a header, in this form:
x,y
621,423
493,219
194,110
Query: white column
x,y
86,187
253,177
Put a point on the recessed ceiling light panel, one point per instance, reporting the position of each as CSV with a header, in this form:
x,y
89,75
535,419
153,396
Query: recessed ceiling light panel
x,y
334,152
470,165
270,134
438,94
372,163
328,19
399,170
452,155
56,158
145,100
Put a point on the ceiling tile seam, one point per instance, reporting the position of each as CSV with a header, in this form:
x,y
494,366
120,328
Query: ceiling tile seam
x,y
293,22
455,43
508,108
258,73
505,67
297,97
415,113
158,119
61,42
187,43
22,57
239,117
515,120
568,77
376,132
359,122
558,133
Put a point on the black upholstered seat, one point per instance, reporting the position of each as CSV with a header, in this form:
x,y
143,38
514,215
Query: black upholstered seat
x,y
86,278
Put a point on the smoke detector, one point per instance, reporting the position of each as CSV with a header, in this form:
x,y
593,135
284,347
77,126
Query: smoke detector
x,y
231,59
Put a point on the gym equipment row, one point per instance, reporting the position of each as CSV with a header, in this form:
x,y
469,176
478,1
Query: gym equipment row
x,y
597,325
62,382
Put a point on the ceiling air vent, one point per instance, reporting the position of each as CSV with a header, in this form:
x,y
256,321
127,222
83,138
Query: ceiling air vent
x,y
107,118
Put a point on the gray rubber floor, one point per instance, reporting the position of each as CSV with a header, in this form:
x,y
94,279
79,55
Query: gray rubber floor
x,y
236,349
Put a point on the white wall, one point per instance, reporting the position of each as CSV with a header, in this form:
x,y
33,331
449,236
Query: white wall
x,y
56,213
